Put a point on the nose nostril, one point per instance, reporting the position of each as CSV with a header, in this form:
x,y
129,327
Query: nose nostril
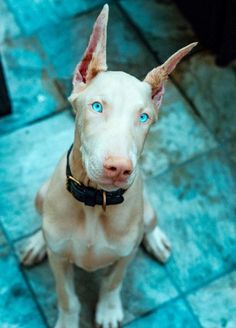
x,y
127,172
117,168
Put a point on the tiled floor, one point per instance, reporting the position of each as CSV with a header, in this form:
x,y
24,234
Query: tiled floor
x,y
189,162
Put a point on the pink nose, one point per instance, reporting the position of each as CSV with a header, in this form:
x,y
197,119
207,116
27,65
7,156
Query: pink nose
x,y
117,167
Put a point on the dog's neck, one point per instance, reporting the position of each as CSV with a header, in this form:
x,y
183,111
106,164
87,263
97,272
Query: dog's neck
x,y
76,163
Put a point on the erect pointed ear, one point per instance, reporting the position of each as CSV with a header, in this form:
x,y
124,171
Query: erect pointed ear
x,y
159,75
94,58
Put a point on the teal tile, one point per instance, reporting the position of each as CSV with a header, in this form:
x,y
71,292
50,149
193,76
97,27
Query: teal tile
x,y
161,24
29,13
65,51
33,93
231,149
195,204
125,52
215,304
17,308
172,315
4,249
18,214
24,53
28,157
146,286
87,285
177,136
8,27
3,241
213,92
42,282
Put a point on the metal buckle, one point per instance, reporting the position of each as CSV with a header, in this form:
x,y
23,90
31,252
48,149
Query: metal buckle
x,y
104,201
69,177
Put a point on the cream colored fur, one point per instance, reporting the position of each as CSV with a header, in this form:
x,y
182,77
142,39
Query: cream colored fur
x,y
89,237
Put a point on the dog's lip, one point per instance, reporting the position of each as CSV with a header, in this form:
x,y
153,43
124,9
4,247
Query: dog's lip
x,y
107,183
120,183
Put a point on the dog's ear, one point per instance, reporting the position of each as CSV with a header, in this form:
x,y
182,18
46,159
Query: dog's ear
x,y
159,75
94,58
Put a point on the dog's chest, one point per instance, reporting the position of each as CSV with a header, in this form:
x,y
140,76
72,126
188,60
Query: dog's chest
x,y
92,244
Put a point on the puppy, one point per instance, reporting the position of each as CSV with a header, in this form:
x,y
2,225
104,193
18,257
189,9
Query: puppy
x,y
95,212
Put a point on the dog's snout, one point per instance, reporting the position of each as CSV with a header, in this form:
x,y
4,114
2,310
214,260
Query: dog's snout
x,y
117,167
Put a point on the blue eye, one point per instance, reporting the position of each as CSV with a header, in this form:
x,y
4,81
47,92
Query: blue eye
x,y
97,107
143,118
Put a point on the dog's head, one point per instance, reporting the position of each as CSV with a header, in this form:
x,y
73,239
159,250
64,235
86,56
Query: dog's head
x,y
114,111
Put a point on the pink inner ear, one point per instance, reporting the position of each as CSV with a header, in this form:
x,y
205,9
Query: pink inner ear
x,y
158,97
96,47
158,93
173,62
82,69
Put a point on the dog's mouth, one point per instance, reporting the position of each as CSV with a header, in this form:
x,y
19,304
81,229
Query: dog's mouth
x,y
112,185
108,184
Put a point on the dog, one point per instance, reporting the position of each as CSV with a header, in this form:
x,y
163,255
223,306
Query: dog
x,y
94,207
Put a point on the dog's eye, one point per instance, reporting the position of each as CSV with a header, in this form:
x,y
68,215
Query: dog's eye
x,y
143,118
97,107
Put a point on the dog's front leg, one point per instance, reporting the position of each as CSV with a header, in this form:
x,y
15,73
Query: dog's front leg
x,y
68,303
109,311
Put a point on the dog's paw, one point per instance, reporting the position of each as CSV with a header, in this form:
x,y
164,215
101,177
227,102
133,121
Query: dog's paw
x,y
33,249
157,244
109,312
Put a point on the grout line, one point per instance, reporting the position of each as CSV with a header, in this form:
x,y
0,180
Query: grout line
x,y
195,317
48,116
35,121
27,235
226,151
142,37
92,9
25,278
183,297
185,162
153,310
190,102
209,281
157,58
203,285
15,17
138,32
25,33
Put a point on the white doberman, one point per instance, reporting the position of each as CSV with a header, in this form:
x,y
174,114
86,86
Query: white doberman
x,y
94,209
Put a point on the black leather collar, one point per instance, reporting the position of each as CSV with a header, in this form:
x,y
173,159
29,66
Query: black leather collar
x,y
89,195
